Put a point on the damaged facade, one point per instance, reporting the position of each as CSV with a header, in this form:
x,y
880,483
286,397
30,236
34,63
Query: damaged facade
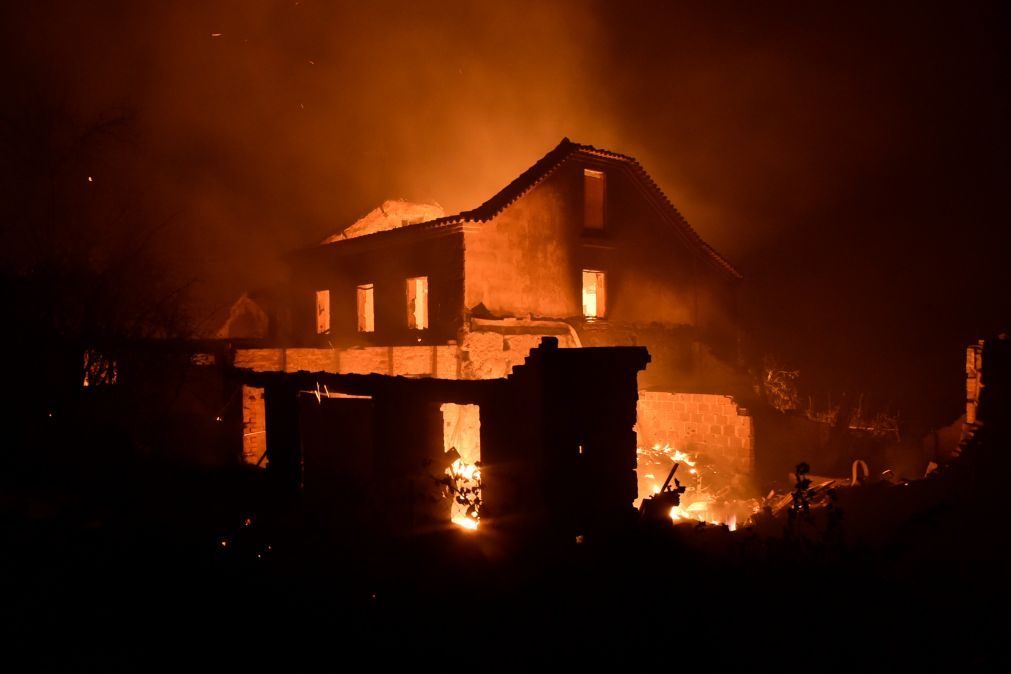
x,y
370,450
583,247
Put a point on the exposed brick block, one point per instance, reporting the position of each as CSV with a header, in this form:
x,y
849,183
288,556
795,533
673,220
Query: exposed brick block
x,y
695,422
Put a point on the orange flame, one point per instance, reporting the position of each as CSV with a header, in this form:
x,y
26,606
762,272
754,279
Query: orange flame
x,y
465,523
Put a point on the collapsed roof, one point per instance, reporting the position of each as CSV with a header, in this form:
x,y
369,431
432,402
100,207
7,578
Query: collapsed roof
x,y
391,214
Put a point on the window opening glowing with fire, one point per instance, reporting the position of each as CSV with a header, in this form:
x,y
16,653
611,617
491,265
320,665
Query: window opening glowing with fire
x,y
593,294
461,436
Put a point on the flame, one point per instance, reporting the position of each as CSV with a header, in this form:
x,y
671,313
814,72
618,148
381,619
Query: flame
x,y
467,471
467,479
698,512
466,523
698,504
695,512
660,458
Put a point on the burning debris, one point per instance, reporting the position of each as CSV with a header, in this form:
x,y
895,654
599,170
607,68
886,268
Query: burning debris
x,y
708,496
463,485
664,503
98,370
461,436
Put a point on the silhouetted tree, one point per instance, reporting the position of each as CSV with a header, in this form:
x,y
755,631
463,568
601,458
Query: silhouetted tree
x,y
80,266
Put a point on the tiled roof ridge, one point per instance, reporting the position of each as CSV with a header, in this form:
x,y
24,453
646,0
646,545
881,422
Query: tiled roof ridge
x,y
519,186
547,165
678,216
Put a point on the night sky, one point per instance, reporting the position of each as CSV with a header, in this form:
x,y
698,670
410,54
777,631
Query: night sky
x,y
850,161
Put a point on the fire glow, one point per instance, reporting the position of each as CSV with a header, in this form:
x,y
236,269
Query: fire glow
x,y
466,523
699,503
462,441
466,487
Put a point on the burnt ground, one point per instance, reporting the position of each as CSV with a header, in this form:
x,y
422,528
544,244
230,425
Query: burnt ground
x,y
159,566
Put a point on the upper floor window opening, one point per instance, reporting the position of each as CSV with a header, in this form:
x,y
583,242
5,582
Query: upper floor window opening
x,y
322,312
594,193
417,303
366,308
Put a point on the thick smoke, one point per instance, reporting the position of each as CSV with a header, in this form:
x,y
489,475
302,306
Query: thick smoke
x,y
850,160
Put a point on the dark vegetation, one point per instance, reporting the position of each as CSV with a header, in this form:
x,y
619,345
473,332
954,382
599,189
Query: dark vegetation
x,y
120,560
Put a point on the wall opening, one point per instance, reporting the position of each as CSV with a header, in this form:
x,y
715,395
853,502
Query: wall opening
x,y
322,312
98,370
366,308
461,438
417,303
594,184
594,295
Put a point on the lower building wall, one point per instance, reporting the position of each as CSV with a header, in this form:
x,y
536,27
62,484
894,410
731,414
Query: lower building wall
x,y
703,424
700,424
441,362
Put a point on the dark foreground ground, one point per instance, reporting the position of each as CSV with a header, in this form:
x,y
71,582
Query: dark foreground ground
x,y
157,567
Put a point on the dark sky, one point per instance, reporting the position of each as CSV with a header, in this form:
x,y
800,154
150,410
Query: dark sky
x,y
850,160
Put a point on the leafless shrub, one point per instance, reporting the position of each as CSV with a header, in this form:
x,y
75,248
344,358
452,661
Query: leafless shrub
x,y
779,386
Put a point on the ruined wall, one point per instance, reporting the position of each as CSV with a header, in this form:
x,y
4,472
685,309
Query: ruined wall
x,y
488,354
709,425
988,384
483,355
441,362
973,379
556,441
693,422
560,451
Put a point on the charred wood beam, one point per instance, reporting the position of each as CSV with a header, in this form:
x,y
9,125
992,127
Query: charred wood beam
x,y
374,385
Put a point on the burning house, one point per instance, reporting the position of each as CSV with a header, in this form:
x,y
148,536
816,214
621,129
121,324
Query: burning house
x,y
583,247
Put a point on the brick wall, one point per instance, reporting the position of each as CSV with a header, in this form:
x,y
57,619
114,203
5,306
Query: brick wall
x,y
710,425
426,361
